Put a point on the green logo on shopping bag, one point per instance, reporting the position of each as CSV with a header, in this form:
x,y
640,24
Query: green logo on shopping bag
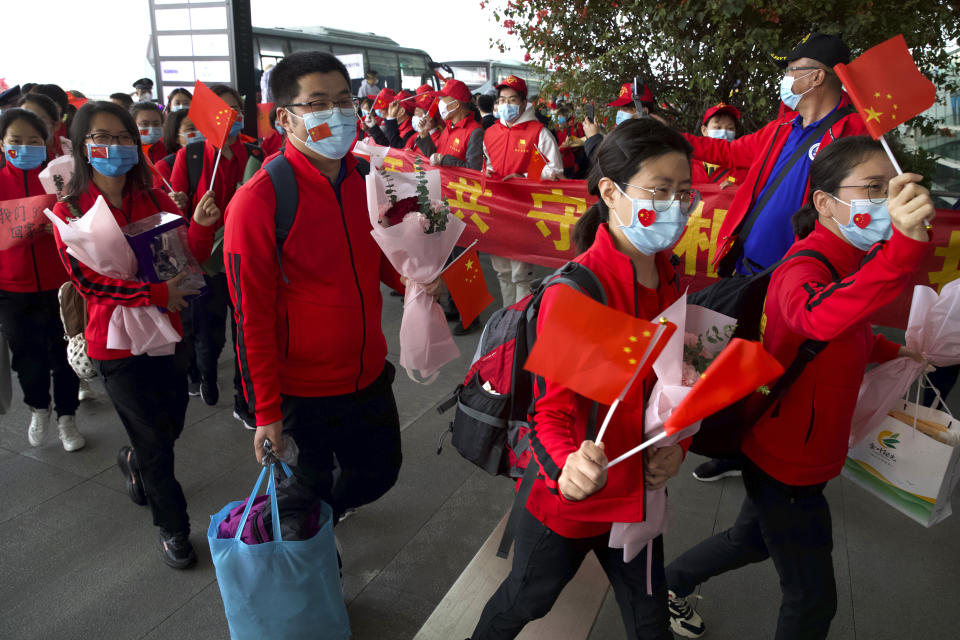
x,y
888,439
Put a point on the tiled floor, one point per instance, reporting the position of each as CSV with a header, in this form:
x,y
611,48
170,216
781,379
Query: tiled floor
x,y
78,559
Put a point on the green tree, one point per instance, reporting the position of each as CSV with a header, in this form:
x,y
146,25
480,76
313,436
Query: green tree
x,y
695,53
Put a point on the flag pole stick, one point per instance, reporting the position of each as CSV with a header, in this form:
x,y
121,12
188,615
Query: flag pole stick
x,y
216,163
167,184
637,449
469,246
623,393
896,165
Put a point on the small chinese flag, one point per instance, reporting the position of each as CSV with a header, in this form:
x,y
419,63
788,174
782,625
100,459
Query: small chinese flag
x,y
319,132
100,152
535,168
467,286
211,115
434,108
886,86
740,369
592,349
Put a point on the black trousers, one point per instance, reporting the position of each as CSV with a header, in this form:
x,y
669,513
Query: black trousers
x,y
150,395
792,526
544,562
31,324
361,430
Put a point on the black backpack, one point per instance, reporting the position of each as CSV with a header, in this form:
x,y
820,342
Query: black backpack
x,y
743,298
194,153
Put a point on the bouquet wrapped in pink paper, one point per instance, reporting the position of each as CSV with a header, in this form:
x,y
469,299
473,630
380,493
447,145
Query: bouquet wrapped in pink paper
x,y
57,174
701,335
417,240
933,331
95,239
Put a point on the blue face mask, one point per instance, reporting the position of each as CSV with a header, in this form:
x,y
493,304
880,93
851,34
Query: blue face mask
x,y
651,231
561,120
178,107
869,223
112,160
279,129
623,116
415,122
343,129
508,113
192,136
152,135
379,112
721,134
237,126
25,156
787,95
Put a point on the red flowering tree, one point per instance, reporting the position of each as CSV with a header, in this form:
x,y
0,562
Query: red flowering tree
x,y
695,53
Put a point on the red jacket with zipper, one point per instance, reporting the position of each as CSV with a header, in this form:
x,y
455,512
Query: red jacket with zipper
x,y
803,439
104,294
313,329
559,424
35,265
758,153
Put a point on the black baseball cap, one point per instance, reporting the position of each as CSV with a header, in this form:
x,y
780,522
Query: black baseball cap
x,y
822,47
143,83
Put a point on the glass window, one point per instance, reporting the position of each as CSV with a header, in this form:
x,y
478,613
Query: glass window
x,y
471,75
385,64
414,70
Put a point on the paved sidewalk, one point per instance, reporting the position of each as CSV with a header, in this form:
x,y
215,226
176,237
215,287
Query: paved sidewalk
x,y
79,560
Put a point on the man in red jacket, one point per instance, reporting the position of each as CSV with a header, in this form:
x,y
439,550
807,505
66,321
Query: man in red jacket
x,y
311,349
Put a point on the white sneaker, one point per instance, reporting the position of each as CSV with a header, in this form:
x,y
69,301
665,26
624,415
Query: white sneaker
x,y
70,436
86,391
39,419
684,621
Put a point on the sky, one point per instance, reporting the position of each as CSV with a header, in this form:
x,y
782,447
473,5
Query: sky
x,y
100,46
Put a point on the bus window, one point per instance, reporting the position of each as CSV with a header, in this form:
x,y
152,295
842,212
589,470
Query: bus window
x,y
413,71
473,75
309,45
386,66
271,51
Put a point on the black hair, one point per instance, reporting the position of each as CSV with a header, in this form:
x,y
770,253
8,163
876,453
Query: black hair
x,y
367,101
829,168
137,178
179,91
485,102
124,98
145,106
285,79
55,93
224,89
12,115
47,105
272,116
26,87
171,130
619,157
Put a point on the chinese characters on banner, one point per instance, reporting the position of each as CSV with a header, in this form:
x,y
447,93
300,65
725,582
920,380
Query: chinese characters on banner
x,y
22,219
533,221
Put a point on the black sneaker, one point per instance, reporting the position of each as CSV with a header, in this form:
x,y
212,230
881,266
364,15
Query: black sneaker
x,y
460,330
193,388
176,550
717,469
209,392
127,462
241,413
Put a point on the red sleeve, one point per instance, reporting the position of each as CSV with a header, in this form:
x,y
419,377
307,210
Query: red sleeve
x,y
741,152
250,257
884,349
92,285
179,179
819,308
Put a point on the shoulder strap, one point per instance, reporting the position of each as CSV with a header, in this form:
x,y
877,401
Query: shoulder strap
x,y
194,153
285,190
800,151
170,159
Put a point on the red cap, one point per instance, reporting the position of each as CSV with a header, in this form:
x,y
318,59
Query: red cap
x,y
515,83
455,89
626,95
721,107
384,98
407,101
425,96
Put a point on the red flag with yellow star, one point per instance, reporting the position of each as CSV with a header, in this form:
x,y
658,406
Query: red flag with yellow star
x,y
886,86
211,115
592,349
467,286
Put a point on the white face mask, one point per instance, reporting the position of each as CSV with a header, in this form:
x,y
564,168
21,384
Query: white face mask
x,y
787,95
446,109
721,134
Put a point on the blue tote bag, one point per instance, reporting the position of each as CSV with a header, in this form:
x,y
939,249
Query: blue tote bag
x,y
279,589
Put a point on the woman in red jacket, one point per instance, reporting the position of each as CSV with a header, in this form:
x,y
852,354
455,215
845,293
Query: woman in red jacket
x,y
149,392
801,443
642,165
30,275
